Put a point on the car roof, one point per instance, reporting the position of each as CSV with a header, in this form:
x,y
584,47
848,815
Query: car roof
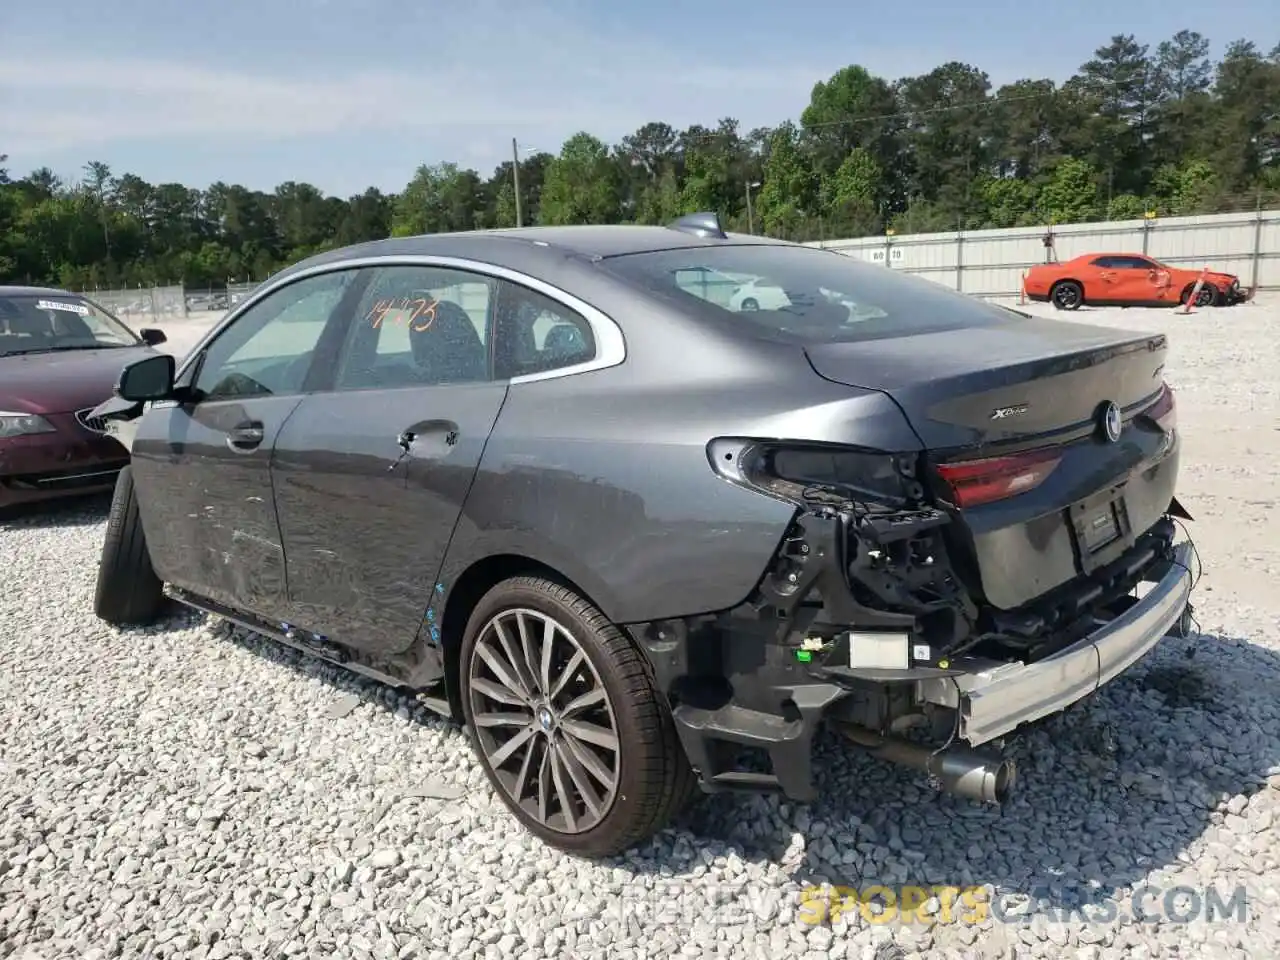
x,y
1090,256
19,291
549,244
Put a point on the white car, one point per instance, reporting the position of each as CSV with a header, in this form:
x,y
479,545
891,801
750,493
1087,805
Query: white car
x,y
757,295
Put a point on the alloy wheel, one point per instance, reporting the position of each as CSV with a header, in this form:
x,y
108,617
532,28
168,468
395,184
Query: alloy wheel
x,y
543,720
1066,296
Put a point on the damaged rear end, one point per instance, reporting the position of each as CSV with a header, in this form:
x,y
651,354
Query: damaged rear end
x,y
1021,556
1014,550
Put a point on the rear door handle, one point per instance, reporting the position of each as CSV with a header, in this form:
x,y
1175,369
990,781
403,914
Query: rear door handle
x,y
245,437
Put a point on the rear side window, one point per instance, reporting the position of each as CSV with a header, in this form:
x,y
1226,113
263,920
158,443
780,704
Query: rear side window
x,y
536,334
802,294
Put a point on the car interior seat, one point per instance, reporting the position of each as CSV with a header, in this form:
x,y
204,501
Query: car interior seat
x,y
449,348
563,341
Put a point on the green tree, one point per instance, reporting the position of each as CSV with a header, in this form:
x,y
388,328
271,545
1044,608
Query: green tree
x,y
790,190
581,184
1071,193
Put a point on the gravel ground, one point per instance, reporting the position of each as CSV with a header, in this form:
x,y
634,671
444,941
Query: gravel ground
x,y
190,790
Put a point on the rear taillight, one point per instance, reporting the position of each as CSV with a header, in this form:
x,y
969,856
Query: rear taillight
x,y
1164,411
975,482
804,472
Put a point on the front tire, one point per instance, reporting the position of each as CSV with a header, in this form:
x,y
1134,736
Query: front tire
x,y
128,593
567,720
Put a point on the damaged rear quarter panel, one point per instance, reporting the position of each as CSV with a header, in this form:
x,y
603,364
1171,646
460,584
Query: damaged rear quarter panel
x,y
605,478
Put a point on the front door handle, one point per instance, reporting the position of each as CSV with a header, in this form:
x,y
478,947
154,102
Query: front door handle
x,y
245,437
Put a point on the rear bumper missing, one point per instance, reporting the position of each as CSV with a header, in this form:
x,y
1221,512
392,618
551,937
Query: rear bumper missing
x,y
774,705
996,697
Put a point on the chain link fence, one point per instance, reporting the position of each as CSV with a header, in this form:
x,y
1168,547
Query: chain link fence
x,y
142,304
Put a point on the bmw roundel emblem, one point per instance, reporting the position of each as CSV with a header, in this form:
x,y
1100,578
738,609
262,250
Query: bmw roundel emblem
x,y
1109,420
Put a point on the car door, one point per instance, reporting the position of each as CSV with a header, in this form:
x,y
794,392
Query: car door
x,y
371,473
1144,282
1134,280
202,465
1105,285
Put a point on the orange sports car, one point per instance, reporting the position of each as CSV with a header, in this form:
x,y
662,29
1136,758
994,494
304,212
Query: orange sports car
x,y
1125,279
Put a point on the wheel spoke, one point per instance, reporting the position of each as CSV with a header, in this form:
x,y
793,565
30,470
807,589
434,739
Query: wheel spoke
x,y
498,692
548,647
522,778
580,757
544,786
508,749
582,783
514,659
577,705
592,733
588,760
567,673
563,794
504,719
504,672
526,647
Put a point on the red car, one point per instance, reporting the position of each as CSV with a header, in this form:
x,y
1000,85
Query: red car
x,y
60,355
1126,279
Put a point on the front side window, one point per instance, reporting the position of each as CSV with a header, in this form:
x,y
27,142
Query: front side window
x,y
1136,263
267,350
536,334
418,326
799,294
50,323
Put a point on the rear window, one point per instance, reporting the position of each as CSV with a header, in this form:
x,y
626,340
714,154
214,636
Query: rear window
x,y
46,323
803,294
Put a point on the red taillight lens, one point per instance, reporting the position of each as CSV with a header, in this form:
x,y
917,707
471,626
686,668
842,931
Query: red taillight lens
x,y
1165,410
975,482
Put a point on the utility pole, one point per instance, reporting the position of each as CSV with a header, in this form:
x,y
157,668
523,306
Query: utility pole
x,y
751,222
515,178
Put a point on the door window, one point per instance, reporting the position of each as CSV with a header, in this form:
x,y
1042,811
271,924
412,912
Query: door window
x,y
267,350
418,326
1134,263
535,334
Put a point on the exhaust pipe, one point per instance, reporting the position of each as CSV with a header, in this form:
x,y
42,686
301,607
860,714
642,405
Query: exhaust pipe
x,y
960,770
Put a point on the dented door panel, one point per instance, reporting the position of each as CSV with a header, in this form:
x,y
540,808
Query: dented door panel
x,y
366,519
206,499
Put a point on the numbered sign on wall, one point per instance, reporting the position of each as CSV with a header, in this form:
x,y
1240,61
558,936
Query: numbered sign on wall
x,y
877,255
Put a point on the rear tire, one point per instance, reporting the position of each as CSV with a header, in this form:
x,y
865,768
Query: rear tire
x,y
128,593
750,304
1067,295
586,722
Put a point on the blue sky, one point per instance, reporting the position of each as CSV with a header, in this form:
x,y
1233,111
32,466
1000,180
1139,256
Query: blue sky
x,y
349,94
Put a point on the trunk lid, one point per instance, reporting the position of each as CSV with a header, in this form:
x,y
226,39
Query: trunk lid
x,y
970,388
1052,496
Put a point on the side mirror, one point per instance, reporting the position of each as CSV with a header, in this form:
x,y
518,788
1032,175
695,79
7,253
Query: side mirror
x,y
152,336
150,378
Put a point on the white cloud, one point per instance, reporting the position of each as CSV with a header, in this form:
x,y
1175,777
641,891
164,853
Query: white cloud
x,y
563,82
